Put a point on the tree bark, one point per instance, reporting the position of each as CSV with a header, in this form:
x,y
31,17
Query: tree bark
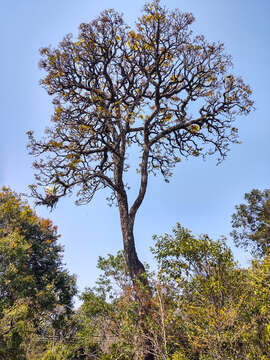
x,y
134,265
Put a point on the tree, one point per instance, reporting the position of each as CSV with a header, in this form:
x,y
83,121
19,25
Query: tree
x,y
251,222
203,265
33,280
31,259
222,311
158,87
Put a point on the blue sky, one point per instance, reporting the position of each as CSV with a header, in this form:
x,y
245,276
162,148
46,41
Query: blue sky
x,y
201,195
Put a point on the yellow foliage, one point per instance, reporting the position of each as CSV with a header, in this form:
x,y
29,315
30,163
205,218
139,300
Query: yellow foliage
x,y
55,144
195,128
167,118
83,128
52,60
58,110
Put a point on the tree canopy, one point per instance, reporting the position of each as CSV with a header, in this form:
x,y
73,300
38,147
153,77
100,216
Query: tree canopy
x,y
160,87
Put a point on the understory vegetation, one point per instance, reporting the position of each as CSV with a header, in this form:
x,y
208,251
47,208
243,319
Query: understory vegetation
x,y
201,305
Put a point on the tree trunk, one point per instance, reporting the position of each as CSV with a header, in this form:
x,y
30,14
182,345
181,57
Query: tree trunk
x,y
136,271
135,267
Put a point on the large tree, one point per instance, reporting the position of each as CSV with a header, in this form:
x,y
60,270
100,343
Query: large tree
x,y
157,87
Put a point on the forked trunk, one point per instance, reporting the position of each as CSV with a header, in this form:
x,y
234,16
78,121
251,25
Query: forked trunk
x,y
135,267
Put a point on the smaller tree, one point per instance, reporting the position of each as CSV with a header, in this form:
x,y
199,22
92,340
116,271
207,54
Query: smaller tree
x,y
33,280
201,265
251,222
204,320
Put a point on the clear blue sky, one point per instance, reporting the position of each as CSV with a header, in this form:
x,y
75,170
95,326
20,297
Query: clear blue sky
x,y
201,195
